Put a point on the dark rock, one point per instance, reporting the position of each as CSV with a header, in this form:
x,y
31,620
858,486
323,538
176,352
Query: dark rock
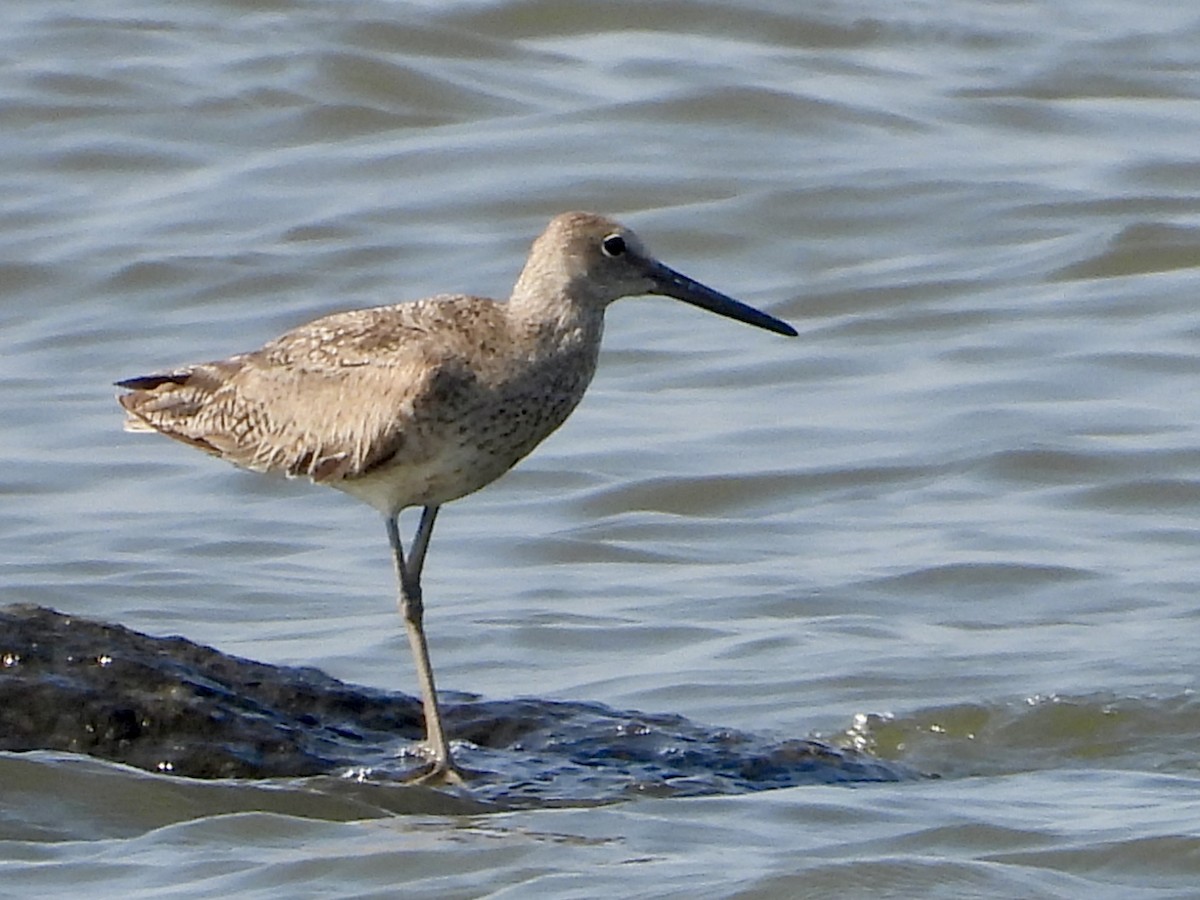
x,y
168,705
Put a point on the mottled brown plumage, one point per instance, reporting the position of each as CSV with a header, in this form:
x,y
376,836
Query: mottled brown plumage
x,y
398,405
422,403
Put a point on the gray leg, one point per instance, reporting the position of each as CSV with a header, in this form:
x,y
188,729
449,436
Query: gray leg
x,y
416,559
412,610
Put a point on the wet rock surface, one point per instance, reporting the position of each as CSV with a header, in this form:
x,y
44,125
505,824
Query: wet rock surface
x,y
165,704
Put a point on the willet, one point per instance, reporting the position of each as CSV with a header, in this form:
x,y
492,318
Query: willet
x,y
422,403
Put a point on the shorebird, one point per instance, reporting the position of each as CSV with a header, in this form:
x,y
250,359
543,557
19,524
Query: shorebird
x,y
421,403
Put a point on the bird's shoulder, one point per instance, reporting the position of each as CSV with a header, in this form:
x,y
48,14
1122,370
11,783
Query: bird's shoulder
x,y
418,332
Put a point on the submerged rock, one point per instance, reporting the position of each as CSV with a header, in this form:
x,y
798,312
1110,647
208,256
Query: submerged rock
x,y
169,705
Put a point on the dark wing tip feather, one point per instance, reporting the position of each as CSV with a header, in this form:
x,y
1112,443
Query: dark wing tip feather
x,y
149,382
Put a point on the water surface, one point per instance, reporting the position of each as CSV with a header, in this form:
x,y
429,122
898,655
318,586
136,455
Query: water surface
x,y
953,523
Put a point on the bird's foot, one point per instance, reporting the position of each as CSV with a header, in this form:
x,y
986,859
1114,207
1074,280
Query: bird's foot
x,y
441,770
440,773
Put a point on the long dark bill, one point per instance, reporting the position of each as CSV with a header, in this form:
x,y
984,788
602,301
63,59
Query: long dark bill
x,y
670,283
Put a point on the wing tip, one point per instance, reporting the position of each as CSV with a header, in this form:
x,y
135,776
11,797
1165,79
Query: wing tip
x,y
150,382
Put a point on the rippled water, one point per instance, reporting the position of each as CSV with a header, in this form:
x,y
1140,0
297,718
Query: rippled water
x,y
953,523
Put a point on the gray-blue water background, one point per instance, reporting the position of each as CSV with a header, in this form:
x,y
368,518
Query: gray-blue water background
x,y
954,522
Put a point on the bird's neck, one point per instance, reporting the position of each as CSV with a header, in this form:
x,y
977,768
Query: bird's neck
x,y
553,317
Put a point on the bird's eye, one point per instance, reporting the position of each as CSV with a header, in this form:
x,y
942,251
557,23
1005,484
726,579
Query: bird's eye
x,y
613,245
